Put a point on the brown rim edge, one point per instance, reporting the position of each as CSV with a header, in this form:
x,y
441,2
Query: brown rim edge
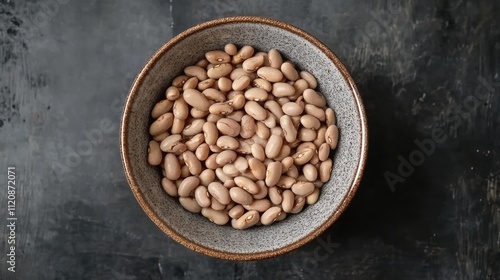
x,y
203,249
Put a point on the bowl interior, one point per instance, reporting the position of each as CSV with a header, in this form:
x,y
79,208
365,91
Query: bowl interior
x,y
194,230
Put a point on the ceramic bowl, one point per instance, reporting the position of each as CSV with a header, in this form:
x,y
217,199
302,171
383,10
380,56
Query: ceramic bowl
x,y
193,230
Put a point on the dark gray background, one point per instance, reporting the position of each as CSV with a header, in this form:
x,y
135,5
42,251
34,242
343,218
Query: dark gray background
x,y
67,65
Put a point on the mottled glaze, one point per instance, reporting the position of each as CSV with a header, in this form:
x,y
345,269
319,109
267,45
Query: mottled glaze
x,y
193,230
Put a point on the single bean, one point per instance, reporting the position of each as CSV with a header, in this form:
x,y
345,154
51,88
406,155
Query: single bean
x,y
288,201
195,141
214,216
310,122
244,53
262,131
205,84
273,173
180,109
227,143
213,94
298,204
231,49
259,205
196,99
293,172
224,84
219,192
179,81
230,170
286,182
191,83
307,135
190,204
330,117
247,220
262,190
246,184
310,79
332,136
275,195
219,70
236,212
226,157
241,83
217,57
252,64
154,153
313,197
169,187
324,151
241,164
198,114
275,59
303,188
325,170
320,136
172,167
315,159
211,133
262,84
161,108
289,130
240,196
315,111
273,146
203,63
202,196
270,215
192,162
258,152
253,109
270,74
283,90
314,98
162,124
274,108
256,94
195,127
304,156
270,121
248,127
310,172
188,185
286,163
177,126
228,127
203,151
223,177
206,177
172,93
289,71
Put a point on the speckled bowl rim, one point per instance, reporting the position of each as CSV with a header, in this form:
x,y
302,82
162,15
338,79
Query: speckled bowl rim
x,y
126,160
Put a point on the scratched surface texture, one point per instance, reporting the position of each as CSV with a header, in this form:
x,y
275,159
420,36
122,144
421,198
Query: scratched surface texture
x,y
428,208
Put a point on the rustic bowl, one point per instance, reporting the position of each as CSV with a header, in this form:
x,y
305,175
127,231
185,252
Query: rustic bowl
x,y
195,231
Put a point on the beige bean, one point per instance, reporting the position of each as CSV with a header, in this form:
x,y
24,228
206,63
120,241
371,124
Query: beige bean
x,y
310,122
315,159
202,152
320,136
262,190
223,177
244,148
161,108
193,128
202,196
226,157
213,118
191,83
315,112
196,99
229,127
259,205
256,111
241,83
293,172
286,163
273,146
262,84
253,63
227,143
244,53
270,121
190,204
220,109
332,136
314,98
275,195
313,197
215,149
289,130
224,84
162,124
206,177
286,182
270,215
217,57
173,144
246,184
248,127
304,156
330,117
239,72
270,74
205,84
256,94
300,85
298,204
283,90
275,59
172,93
273,173
247,220
305,134
236,212
154,153
216,205
283,100
161,137
210,132
179,81
288,201
237,102
289,71
310,79
262,131
195,141
230,49
180,109
306,145
210,162
198,114
203,63
324,151
240,196
169,187
241,164
274,108
325,170
258,152
188,185
310,172
303,188
213,94
219,192
177,126
215,216
219,70
192,162
292,109
229,183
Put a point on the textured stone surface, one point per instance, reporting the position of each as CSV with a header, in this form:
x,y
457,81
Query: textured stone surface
x,y
66,68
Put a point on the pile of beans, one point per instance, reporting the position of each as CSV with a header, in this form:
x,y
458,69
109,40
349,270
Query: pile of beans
x,y
243,136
